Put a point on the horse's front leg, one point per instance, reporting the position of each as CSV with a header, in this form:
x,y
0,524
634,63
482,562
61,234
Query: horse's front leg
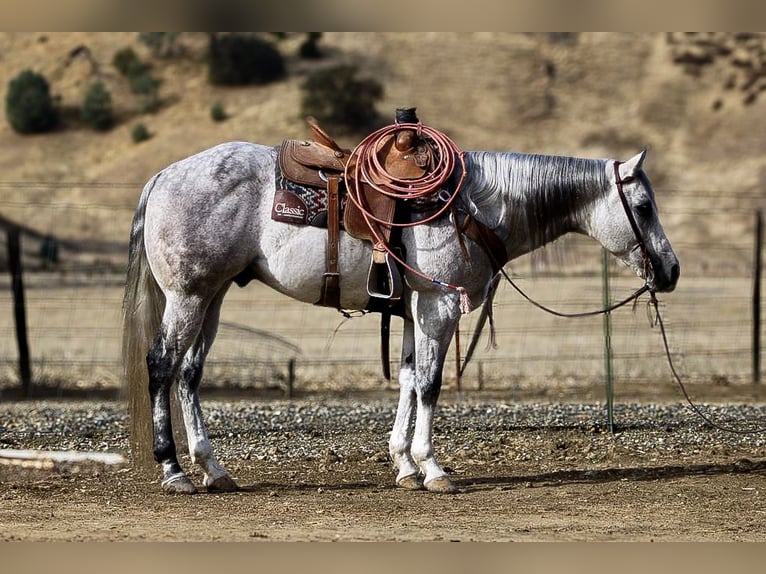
x,y
401,435
435,325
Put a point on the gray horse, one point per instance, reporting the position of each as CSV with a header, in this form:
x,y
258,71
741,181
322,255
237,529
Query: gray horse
x,y
204,223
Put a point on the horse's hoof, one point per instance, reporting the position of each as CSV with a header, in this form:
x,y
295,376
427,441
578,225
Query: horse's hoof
x,y
441,484
223,483
179,484
411,482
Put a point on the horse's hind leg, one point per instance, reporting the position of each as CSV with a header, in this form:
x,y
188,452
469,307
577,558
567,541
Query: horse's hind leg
x,y
200,449
180,327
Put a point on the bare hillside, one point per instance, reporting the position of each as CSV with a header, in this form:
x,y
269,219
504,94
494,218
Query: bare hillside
x,y
694,100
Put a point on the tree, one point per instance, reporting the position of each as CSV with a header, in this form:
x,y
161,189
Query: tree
x,y
241,59
96,110
28,104
337,96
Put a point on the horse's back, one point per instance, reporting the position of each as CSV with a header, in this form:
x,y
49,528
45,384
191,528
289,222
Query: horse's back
x,y
218,168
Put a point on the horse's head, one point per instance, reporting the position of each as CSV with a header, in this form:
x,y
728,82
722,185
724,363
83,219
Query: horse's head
x,y
627,223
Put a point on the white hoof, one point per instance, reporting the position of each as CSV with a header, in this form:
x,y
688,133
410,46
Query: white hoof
x,y
410,482
223,483
441,484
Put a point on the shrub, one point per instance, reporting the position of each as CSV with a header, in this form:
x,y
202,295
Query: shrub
x,y
217,112
28,104
141,82
147,87
337,96
124,59
96,110
162,44
239,59
140,133
309,48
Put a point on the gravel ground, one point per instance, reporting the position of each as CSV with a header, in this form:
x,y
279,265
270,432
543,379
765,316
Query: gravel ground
x,y
310,430
316,468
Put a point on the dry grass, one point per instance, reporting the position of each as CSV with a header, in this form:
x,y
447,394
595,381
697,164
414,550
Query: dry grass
x,y
74,338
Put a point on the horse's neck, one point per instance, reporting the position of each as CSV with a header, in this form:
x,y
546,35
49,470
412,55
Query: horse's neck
x,y
531,200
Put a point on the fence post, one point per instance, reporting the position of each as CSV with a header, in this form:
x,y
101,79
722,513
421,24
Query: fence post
x,y
757,296
290,378
19,308
607,339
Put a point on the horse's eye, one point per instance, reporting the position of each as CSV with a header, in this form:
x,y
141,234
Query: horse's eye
x,y
644,209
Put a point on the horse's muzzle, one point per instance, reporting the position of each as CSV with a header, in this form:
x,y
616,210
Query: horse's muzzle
x,y
665,281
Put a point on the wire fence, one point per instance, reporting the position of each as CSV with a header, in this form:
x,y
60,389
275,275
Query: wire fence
x,y
73,255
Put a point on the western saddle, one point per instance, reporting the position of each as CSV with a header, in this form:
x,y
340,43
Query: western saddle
x,y
322,163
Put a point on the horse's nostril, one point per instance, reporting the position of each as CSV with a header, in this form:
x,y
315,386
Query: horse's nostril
x,y
675,273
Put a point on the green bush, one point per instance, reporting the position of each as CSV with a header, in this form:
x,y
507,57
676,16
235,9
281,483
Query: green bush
x,y
96,110
140,133
28,104
335,95
217,113
141,82
148,88
241,59
123,60
162,44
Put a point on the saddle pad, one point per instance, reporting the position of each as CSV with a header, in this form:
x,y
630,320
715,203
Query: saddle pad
x,y
300,204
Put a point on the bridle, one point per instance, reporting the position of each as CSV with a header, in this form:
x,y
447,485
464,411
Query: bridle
x,y
640,243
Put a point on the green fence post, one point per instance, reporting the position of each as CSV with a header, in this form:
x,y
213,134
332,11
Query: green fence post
x,y
607,339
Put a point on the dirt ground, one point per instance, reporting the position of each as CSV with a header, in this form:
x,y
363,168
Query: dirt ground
x,y
574,483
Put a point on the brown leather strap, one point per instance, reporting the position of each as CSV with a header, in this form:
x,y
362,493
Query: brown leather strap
x,y
331,278
483,236
385,349
460,232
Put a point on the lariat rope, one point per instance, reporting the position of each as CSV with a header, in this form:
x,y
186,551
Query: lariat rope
x,y
369,169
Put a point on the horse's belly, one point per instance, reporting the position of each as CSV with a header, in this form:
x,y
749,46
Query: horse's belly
x,y
294,264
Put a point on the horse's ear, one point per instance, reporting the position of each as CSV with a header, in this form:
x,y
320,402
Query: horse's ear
x,y
629,168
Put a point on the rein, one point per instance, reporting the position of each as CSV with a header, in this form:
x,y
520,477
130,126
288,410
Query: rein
x,y
658,321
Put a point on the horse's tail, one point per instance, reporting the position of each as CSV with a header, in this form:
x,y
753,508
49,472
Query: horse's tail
x,y
142,308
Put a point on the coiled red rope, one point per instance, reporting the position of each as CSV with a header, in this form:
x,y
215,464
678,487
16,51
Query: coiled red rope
x,y
368,169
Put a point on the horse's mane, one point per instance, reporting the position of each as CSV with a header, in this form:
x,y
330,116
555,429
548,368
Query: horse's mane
x,y
541,191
